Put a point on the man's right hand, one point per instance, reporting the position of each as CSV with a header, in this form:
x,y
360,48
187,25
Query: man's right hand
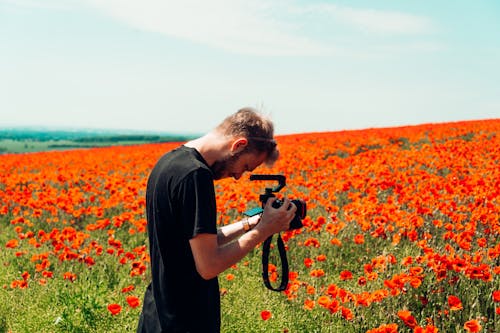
x,y
275,220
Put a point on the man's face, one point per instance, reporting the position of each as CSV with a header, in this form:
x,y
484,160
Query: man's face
x,y
237,164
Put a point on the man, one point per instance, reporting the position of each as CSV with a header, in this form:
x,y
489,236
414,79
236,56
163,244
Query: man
x,y
186,249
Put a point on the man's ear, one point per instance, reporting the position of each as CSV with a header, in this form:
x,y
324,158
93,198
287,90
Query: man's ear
x,y
239,145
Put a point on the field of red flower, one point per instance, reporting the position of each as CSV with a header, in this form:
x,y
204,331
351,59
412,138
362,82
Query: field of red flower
x,y
402,235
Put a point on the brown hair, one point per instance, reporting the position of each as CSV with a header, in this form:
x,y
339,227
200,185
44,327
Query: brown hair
x,y
256,128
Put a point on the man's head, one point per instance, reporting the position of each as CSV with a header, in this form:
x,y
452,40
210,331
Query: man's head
x,y
257,129
252,143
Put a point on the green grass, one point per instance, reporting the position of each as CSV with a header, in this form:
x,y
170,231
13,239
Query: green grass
x,y
61,305
81,306
29,146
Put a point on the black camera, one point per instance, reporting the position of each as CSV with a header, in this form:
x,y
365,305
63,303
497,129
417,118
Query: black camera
x,y
301,212
296,223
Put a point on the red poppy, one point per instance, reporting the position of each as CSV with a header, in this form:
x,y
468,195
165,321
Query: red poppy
x,y
389,328
455,303
496,296
361,281
114,308
133,301
321,257
359,239
308,262
345,275
309,304
346,313
25,276
128,288
69,276
472,326
13,243
317,272
324,301
313,242
407,318
426,329
265,314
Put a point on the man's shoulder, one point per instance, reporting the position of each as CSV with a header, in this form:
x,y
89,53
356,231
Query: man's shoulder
x,y
183,159
181,163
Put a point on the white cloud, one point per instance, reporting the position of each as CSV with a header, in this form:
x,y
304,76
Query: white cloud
x,y
237,25
378,21
257,27
51,4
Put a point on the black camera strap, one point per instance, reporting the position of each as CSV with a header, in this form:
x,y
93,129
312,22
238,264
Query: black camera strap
x,y
266,248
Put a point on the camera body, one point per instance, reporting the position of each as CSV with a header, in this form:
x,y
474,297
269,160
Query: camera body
x,y
301,212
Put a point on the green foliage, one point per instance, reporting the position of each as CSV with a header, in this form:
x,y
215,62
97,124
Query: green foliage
x,y
21,140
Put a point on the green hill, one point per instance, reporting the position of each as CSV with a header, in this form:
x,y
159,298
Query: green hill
x,y
22,140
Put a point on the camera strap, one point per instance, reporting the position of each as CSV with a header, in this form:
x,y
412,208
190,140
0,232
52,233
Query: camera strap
x,y
266,248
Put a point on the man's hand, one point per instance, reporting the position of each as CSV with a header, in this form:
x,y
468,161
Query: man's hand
x,y
274,220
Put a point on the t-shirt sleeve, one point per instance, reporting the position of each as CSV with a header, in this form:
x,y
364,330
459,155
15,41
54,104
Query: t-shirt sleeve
x,y
199,211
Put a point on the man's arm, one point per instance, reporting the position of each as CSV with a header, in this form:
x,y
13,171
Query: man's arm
x,y
212,258
230,232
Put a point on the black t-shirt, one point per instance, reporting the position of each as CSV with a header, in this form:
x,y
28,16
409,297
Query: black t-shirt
x,y
180,203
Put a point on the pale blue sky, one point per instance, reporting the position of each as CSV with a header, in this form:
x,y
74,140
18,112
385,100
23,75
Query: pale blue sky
x,y
181,66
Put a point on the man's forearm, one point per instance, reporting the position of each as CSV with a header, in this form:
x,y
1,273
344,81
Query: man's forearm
x,y
230,232
212,259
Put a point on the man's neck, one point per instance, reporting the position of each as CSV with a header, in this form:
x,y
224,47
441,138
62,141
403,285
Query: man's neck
x,y
211,146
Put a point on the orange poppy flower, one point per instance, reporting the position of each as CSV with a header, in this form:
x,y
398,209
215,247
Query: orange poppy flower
x,y
324,301
309,304
359,239
426,329
133,301
496,296
454,303
321,257
265,314
361,281
387,328
317,273
473,326
407,318
345,275
308,262
346,313
11,244
114,308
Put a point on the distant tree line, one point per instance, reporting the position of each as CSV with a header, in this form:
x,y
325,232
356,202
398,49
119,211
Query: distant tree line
x,y
133,137
19,134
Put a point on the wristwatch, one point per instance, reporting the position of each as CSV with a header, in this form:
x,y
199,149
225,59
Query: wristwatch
x,y
246,224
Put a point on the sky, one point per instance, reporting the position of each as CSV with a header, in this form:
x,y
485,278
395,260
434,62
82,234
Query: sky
x,y
311,65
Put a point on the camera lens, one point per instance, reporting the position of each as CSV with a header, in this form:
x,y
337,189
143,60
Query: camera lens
x,y
277,203
301,208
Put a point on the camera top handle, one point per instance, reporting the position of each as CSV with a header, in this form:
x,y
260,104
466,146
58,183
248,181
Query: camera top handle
x,y
269,191
281,179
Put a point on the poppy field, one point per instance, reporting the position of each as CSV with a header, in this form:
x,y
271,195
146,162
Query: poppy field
x,y
401,235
